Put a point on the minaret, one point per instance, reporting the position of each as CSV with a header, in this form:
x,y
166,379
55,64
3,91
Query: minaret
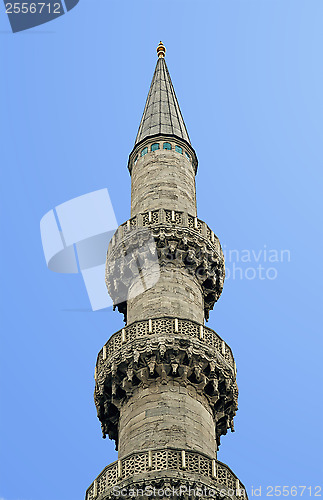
x,y
165,383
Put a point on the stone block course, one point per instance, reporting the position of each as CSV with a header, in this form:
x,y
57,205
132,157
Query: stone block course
x,y
177,418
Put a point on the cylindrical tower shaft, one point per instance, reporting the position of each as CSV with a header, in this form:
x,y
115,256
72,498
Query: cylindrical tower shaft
x,y
165,384
162,177
166,416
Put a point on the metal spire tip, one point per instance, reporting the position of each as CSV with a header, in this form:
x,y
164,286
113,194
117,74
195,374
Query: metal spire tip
x,y
161,50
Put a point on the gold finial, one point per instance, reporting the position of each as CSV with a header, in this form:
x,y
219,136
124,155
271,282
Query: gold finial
x,y
161,50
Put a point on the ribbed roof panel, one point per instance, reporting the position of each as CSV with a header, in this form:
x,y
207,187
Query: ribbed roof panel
x,y
162,114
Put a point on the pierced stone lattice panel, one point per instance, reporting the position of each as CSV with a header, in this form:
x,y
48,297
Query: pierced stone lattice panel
x,y
171,216
190,219
193,460
162,326
129,226
159,460
150,218
135,464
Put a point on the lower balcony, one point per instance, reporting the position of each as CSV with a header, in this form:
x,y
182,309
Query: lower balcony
x,y
177,472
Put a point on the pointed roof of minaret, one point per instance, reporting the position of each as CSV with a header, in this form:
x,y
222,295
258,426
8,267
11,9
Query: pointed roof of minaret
x,y
162,114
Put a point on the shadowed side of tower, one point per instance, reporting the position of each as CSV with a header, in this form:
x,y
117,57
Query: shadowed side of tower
x,y
165,383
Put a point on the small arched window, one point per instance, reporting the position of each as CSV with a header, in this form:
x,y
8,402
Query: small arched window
x,y
135,160
144,152
167,145
155,146
179,149
187,156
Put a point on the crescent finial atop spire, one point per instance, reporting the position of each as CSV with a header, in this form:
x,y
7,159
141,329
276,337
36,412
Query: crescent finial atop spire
x,y
161,50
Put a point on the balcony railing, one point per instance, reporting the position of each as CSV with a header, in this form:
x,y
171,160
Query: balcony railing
x,y
168,460
163,216
165,327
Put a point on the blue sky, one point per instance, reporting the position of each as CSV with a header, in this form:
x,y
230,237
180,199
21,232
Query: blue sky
x,y
248,76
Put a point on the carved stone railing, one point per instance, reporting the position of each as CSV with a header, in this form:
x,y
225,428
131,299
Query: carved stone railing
x,y
163,216
165,327
170,459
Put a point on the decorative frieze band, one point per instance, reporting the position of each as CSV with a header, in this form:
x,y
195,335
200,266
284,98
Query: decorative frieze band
x,y
171,459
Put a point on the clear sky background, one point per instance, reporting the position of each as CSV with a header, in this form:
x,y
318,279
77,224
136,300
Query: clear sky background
x,y
248,76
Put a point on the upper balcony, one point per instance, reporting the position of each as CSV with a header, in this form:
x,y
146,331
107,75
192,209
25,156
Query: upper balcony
x,y
174,238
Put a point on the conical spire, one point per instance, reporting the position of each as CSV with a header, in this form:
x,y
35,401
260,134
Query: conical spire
x,y
162,114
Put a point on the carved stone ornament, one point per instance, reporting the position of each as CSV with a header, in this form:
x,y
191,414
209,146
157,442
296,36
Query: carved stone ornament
x,y
159,360
183,473
164,245
166,327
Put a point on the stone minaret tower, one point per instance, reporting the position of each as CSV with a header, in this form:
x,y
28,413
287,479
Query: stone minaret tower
x,y
165,384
